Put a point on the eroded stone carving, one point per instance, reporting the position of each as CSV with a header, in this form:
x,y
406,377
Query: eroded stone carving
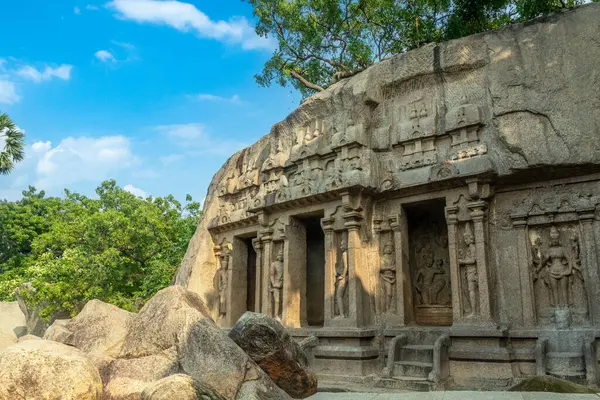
x,y
388,276
558,266
468,261
341,278
430,278
276,284
223,283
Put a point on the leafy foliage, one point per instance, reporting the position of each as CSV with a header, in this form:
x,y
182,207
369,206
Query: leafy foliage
x,y
12,150
321,41
118,248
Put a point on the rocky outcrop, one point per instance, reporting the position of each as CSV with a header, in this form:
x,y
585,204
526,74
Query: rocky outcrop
x,y
171,335
28,337
180,387
99,329
493,104
13,320
58,332
41,369
273,349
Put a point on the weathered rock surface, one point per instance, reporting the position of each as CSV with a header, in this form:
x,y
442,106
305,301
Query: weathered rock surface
x,y
172,334
41,369
28,337
12,319
58,331
549,383
529,92
99,329
180,387
7,339
267,343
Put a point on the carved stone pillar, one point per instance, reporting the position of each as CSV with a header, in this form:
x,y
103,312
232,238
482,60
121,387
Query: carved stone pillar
x,y
455,280
404,296
258,247
238,285
294,276
527,295
477,211
590,268
267,241
330,258
355,278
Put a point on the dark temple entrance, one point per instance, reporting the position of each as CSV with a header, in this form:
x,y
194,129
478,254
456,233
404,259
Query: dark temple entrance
x,y
429,262
251,277
315,269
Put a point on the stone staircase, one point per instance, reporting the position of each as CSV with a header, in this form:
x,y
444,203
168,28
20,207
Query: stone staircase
x,y
417,360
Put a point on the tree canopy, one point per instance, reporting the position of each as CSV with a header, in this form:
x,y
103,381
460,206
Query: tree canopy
x,y
322,41
118,248
11,144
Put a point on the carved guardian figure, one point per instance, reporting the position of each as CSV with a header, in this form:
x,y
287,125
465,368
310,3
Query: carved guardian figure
x,y
276,284
468,260
388,276
341,279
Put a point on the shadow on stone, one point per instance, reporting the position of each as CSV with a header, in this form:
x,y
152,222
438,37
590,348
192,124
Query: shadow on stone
x,y
549,384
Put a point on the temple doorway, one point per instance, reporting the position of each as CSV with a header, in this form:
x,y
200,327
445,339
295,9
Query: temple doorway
x,y
429,263
251,276
315,269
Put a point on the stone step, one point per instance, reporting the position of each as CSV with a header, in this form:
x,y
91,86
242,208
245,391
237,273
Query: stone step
x,y
404,383
414,369
417,352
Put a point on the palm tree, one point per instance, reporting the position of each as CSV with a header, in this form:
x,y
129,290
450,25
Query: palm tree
x,y
13,145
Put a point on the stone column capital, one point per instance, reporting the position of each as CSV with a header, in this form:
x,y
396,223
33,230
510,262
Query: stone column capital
x,y
353,220
451,215
327,224
587,215
477,209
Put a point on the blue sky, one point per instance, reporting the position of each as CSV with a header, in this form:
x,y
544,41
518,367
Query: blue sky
x,y
155,94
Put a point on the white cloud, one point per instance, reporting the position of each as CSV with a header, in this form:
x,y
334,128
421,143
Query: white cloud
x,y
8,92
33,74
125,45
105,56
77,10
91,7
186,17
196,139
235,99
135,191
171,159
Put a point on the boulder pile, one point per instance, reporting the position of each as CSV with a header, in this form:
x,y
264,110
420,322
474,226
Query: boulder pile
x,y
171,349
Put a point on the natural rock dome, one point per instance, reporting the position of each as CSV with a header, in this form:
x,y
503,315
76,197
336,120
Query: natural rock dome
x,y
416,215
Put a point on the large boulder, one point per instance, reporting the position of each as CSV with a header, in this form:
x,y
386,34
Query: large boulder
x,y
58,331
180,387
99,329
7,339
12,319
173,333
267,342
42,369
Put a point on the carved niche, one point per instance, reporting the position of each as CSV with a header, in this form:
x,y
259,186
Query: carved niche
x,y
416,134
463,124
557,273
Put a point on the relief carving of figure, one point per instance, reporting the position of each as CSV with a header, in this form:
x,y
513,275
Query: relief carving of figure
x,y
223,284
557,269
428,284
468,260
341,279
388,276
276,283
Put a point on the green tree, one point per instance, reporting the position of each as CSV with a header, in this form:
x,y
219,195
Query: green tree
x,y
12,151
322,41
117,248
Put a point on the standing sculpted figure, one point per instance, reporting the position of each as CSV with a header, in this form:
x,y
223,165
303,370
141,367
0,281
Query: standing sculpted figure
x,y
276,281
428,286
468,259
341,277
223,284
388,275
559,270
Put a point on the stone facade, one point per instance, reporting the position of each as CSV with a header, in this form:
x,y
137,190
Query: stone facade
x,y
432,221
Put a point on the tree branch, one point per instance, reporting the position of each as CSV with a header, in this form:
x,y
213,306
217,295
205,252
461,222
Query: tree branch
x,y
306,83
